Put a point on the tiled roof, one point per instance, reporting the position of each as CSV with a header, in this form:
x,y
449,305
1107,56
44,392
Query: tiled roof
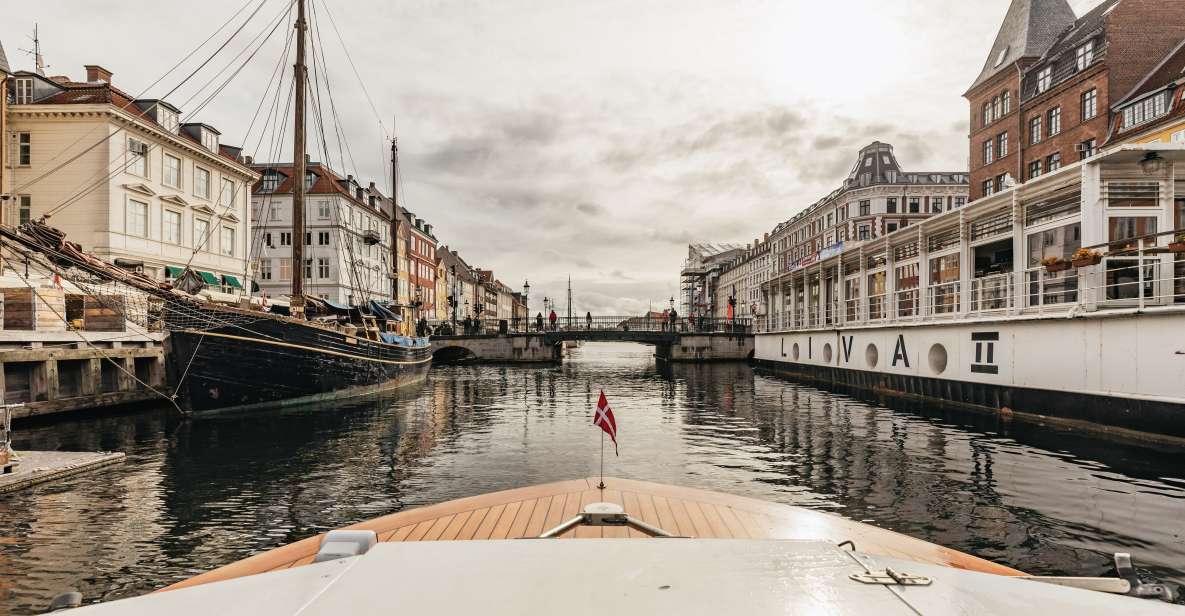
x,y
1029,28
1082,29
1170,69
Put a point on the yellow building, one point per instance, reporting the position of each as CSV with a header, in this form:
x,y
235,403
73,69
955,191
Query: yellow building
x,y
442,308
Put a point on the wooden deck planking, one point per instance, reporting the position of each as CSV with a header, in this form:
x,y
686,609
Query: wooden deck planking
x,y
527,512
475,519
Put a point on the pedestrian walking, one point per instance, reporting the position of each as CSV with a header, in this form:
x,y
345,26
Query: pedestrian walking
x,y
551,318
539,321
588,319
666,318
674,318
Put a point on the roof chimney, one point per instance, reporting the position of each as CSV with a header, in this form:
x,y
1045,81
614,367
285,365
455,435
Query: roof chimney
x,y
94,72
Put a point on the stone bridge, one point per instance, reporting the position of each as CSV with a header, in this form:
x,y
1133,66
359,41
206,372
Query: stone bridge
x,y
679,340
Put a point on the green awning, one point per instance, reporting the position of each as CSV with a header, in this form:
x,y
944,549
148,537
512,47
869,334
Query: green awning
x,y
231,281
173,271
254,287
208,278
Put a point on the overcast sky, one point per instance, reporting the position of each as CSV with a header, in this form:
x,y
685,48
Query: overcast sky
x,y
594,139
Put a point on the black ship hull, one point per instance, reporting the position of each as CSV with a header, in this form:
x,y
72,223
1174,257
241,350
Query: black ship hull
x,y
278,362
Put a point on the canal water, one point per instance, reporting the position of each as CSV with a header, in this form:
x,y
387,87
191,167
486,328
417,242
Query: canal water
x,y
197,494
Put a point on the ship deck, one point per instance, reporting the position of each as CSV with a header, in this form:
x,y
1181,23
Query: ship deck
x,y
527,512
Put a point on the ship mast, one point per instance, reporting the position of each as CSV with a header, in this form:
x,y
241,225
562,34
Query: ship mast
x,y
300,166
395,223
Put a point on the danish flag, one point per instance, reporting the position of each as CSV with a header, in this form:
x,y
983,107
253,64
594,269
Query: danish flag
x,y
604,419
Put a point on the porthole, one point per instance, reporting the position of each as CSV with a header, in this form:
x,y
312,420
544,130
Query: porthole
x,y
938,359
827,353
871,356
794,351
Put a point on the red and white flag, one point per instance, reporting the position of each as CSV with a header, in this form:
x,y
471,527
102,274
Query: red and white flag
x,y
604,419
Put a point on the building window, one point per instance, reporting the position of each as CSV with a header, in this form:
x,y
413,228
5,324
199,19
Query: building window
x,y
891,205
137,223
936,204
863,231
168,119
137,158
267,240
1000,182
1007,98
987,187
1002,145
1034,169
285,269
1090,104
865,207
322,267
1053,162
987,114
322,238
265,269
210,140
285,238
1035,129
201,182
890,227
228,241
308,268
25,208
273,212
988,147
960,202
271,181
1055,121
24,91
201,232
1085,55
172,227
1145,110
172,171
1086,148
309,179
1044,79
996,108
24,149
915,205
323,210
227,196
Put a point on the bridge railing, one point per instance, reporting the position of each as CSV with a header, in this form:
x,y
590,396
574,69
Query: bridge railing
x,y
590,324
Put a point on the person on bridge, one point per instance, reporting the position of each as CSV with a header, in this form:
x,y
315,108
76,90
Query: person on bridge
x,y
551,318
666,318
674,318
539,321
588,319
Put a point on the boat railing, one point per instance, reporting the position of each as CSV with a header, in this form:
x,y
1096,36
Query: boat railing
x,y
943,299
991,293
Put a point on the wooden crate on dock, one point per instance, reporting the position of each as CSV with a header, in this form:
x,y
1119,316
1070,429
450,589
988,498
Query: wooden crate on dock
x,y
18,309
103,313
50,309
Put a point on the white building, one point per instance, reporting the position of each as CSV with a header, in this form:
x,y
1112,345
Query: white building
x,y
127,179
347,246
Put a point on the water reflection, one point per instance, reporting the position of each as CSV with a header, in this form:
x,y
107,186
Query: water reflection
x,y
197,494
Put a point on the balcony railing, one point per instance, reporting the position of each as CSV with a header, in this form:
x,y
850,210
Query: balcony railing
x,y
1139,273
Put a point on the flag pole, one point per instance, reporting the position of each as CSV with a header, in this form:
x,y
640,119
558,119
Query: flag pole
x,y
601,485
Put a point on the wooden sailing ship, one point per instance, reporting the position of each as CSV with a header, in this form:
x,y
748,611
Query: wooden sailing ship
x,y
224,358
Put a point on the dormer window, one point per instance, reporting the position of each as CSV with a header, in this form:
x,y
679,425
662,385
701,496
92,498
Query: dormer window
x,y
1044,79
1085,55
24,91
1145,111
210,140
168,119
270,182
309,179
1000,57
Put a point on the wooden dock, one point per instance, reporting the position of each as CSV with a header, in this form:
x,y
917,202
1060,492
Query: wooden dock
x,y
528,512
36,467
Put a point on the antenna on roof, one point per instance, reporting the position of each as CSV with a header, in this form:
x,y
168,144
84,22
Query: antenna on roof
x,y
38,60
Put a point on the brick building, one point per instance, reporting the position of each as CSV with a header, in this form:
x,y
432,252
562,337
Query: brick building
x,y
1044,95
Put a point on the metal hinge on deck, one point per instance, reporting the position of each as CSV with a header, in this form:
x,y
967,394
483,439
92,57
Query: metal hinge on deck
x,y
888,577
